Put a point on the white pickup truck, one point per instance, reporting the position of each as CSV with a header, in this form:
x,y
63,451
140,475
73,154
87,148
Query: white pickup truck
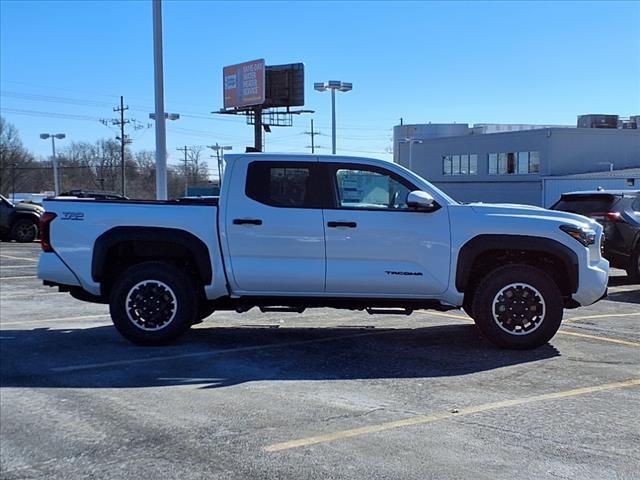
x,y
290,232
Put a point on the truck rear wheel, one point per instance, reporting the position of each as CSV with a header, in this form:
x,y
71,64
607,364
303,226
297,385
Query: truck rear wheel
x,y
518,307
153,303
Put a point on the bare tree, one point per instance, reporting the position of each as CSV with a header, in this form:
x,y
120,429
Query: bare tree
x,y
91,166
15,159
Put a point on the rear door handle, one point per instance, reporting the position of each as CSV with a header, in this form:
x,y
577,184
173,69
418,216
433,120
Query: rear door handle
x,y
247,221
342,224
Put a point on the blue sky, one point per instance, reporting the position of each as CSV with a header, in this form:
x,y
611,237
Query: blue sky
x,y
66,63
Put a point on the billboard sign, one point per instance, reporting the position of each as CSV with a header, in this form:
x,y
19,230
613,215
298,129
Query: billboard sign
x,y
285,85
244,84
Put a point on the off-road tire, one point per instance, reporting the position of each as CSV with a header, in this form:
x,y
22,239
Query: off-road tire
x,y
507,303
153,303
24,231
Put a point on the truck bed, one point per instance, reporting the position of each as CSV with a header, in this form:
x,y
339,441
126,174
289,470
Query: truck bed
x,y
80,222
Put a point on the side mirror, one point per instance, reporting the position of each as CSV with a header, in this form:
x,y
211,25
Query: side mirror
x,y
421,201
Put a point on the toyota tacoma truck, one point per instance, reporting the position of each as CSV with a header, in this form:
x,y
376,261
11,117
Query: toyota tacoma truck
x,y
291,232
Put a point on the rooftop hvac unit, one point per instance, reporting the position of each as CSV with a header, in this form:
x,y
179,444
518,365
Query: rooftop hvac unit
x,y
597,121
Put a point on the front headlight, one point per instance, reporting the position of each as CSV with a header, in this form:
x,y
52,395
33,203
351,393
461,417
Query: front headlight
x,y
585,236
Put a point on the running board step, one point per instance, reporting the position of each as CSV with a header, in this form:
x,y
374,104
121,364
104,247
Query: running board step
x,y
389,311
282,309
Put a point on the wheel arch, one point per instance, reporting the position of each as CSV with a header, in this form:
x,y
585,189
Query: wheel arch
x,y
493,250
149,243
17,216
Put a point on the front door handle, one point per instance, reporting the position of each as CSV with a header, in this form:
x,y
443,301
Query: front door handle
x,y
247,221
342,224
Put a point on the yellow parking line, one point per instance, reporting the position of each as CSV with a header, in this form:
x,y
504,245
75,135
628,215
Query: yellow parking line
x,y
601,338
18,258
603,315
424,419
564,332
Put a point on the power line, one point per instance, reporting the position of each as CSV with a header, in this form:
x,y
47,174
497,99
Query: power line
x,y
137,107
37,113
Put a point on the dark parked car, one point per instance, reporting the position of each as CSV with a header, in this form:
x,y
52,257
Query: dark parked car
x,y
19,221
98,195
618,211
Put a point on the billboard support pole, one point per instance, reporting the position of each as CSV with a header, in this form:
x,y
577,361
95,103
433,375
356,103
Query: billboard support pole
x,y
257,129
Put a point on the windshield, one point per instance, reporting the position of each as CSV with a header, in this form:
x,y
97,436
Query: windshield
x,y
6,200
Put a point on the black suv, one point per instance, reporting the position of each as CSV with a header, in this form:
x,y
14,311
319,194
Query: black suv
x,y
618,211
19,222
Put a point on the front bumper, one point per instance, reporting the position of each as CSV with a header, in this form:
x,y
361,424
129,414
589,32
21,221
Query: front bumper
x,y
592,282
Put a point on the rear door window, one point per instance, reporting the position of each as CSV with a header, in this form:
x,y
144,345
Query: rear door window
x,y
285,184
585,204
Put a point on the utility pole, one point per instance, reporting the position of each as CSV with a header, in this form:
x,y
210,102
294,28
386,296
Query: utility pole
x,y
313,134
219,149
123,138
185,149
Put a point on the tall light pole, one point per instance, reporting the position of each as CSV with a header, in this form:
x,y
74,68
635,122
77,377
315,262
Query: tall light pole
x,y
411,141
219,149
333,85
54,159
161,131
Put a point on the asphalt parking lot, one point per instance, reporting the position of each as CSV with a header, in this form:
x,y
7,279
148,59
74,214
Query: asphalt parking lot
x,y
326,394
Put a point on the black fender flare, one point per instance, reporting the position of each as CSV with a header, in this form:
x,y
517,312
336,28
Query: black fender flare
x,y
487,242
157,235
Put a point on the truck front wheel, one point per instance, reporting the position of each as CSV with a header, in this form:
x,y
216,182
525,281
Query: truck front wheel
x,y
518,307
153,303
24,231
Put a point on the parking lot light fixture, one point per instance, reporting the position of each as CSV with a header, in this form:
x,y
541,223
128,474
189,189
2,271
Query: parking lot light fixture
x,y
54,160
168,116
333,85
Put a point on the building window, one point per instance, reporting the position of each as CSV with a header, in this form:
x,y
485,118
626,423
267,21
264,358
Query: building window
x,y
534,162
502,163
523,162
466,164
473,164
493,163
510,163
446,165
